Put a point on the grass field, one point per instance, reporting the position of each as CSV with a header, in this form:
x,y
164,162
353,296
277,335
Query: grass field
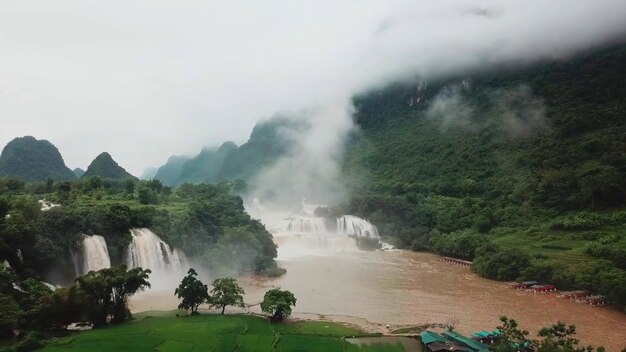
x,y
164,332
563,246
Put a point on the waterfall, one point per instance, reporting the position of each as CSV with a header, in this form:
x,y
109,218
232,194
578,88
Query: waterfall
x,y
305,224
92,254
292,245
149,251
355,226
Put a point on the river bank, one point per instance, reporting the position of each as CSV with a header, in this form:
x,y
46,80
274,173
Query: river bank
x,y
400,288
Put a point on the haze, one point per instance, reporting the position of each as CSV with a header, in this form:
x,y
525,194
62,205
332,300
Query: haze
x,y
147,79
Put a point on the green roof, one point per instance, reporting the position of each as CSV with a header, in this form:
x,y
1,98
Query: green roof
x,y
496,332
475,345
430,337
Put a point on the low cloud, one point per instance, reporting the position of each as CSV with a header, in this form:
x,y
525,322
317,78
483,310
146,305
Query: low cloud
x,y
310,171
517,112
450,108
523,114
150,78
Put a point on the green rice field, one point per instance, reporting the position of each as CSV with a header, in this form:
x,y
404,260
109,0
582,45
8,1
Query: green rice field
x,y
164,332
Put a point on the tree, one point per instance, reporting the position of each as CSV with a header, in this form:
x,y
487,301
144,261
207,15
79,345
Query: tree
x,y
61,308
106,291
192,292
226,292
129,186
559,337
147,195
512,338
278,303
10,317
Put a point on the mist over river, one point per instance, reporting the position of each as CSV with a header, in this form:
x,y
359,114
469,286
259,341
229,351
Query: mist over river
x,y
400,287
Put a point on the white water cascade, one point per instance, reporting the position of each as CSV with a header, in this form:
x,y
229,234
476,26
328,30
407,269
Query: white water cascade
x,y
307,234
306,224
92,254
149,251
355,226
291,245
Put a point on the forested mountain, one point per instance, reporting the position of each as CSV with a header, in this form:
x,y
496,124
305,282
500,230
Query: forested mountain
x,y
33,160
498,148
522,170
202,168
78,172
149,173
268,142
104,166
170,172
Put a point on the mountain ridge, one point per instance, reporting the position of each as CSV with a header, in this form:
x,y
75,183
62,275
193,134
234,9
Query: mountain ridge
x,y
104,166
33,160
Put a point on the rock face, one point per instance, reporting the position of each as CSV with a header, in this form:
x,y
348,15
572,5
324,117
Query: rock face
x,y
104,166
33,160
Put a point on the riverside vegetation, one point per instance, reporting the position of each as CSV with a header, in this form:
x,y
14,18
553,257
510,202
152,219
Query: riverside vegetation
x,y
520,169
103,294
207,221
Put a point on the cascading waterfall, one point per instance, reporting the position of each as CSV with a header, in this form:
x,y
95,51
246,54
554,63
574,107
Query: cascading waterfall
x,y
355,226
92,254
300,224
149,251
308,234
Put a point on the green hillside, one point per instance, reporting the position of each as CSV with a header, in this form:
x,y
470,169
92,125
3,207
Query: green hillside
x,y
522,169
33,160
268,141
104,166
170,172
204,167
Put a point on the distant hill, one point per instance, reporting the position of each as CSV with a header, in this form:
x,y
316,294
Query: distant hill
x,y
78,172
266,144
170,172
104,166
149,173
203,168
33,160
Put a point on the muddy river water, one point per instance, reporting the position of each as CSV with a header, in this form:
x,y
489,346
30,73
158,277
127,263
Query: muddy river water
x,y
395,287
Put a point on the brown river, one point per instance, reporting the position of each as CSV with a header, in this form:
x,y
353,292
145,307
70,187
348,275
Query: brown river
x,y
400,288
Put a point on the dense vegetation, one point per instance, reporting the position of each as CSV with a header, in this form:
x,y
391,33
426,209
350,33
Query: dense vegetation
x,y
104,166
521,169
33,160
559,337
207,222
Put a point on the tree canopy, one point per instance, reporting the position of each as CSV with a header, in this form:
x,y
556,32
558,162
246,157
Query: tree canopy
x,y
192,292
278,303
106,291
226,292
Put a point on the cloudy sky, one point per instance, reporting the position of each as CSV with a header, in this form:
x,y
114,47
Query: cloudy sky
x,y
147,79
